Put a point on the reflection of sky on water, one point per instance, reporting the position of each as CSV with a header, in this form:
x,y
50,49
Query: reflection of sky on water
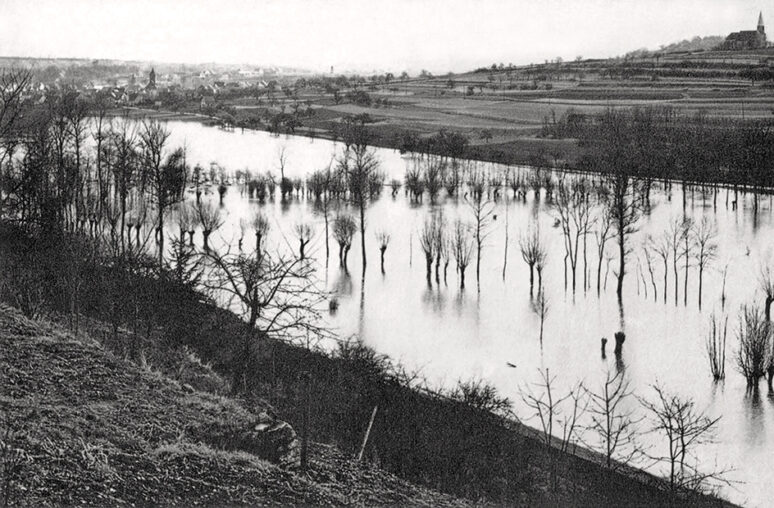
x,y
449,334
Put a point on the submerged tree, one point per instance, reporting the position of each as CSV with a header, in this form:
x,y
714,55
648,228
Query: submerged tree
x,y
705,250
532,251
766,282
625,211
716,346
574,210
383,238
754,353
361,166
541,307
612,155
167,173
483,210
304,233
602,234
186,220
344,229
462,249
428,236
677,234
260,226
661,247
441,243
210,218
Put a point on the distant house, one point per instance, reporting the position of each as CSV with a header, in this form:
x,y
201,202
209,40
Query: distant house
x,y
207,90
746,39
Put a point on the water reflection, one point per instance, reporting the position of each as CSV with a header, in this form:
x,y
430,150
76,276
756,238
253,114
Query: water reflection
x,y
437,327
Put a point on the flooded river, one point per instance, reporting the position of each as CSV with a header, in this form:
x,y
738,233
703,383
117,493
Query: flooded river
x,y
492,334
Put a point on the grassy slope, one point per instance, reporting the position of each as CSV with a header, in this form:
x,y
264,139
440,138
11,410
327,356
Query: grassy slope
x,y
94,429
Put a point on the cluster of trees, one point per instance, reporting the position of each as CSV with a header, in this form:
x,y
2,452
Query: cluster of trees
x,y
605,418
99,196
447,144
687,243
754,356
659,143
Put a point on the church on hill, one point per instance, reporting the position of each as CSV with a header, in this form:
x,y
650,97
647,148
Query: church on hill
x,y
747,39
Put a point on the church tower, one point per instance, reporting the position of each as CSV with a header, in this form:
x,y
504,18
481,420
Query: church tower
x,y
152,79
761,28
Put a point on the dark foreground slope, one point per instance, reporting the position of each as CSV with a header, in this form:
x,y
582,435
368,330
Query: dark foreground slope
x,y
80,426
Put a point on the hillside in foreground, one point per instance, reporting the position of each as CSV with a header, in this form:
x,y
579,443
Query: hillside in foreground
x,y
82,427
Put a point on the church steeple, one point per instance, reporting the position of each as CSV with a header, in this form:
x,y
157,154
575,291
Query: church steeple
x,y
761,28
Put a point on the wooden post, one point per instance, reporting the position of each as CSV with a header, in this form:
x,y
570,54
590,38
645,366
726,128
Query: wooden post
x,y
367,434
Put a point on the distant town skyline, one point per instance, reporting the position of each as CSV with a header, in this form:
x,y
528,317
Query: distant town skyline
x,y
362,35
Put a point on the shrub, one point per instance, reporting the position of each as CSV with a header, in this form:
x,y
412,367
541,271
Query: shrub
x,y
754,351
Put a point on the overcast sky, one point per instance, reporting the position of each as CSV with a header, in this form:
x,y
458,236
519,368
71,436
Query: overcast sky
x,y
363,35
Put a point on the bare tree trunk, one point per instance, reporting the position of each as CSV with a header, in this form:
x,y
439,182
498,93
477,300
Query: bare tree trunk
x,y
621,261
362,233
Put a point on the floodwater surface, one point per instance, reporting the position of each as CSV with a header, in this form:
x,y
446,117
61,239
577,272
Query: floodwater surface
x,y
491,331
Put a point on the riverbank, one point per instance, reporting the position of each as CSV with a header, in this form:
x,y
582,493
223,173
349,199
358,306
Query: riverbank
x,y
527,150
562,155
422,437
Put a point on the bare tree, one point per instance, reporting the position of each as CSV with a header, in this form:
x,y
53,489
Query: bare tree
x,y
428,242
344,228
532,250
625,212
661,247
441,243
12,86
278,297
462,249
286,186
482,209
541,307
539,266
686,251
210,218
754,354
676,233
361,165
766,283
572,206
383,238
705,241
612,420
685,428
304,233
166,172
646,249
433,175
716,346
186,220
549,410
602,235
260,226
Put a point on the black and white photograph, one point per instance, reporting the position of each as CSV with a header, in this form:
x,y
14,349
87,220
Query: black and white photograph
x,y
432,253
